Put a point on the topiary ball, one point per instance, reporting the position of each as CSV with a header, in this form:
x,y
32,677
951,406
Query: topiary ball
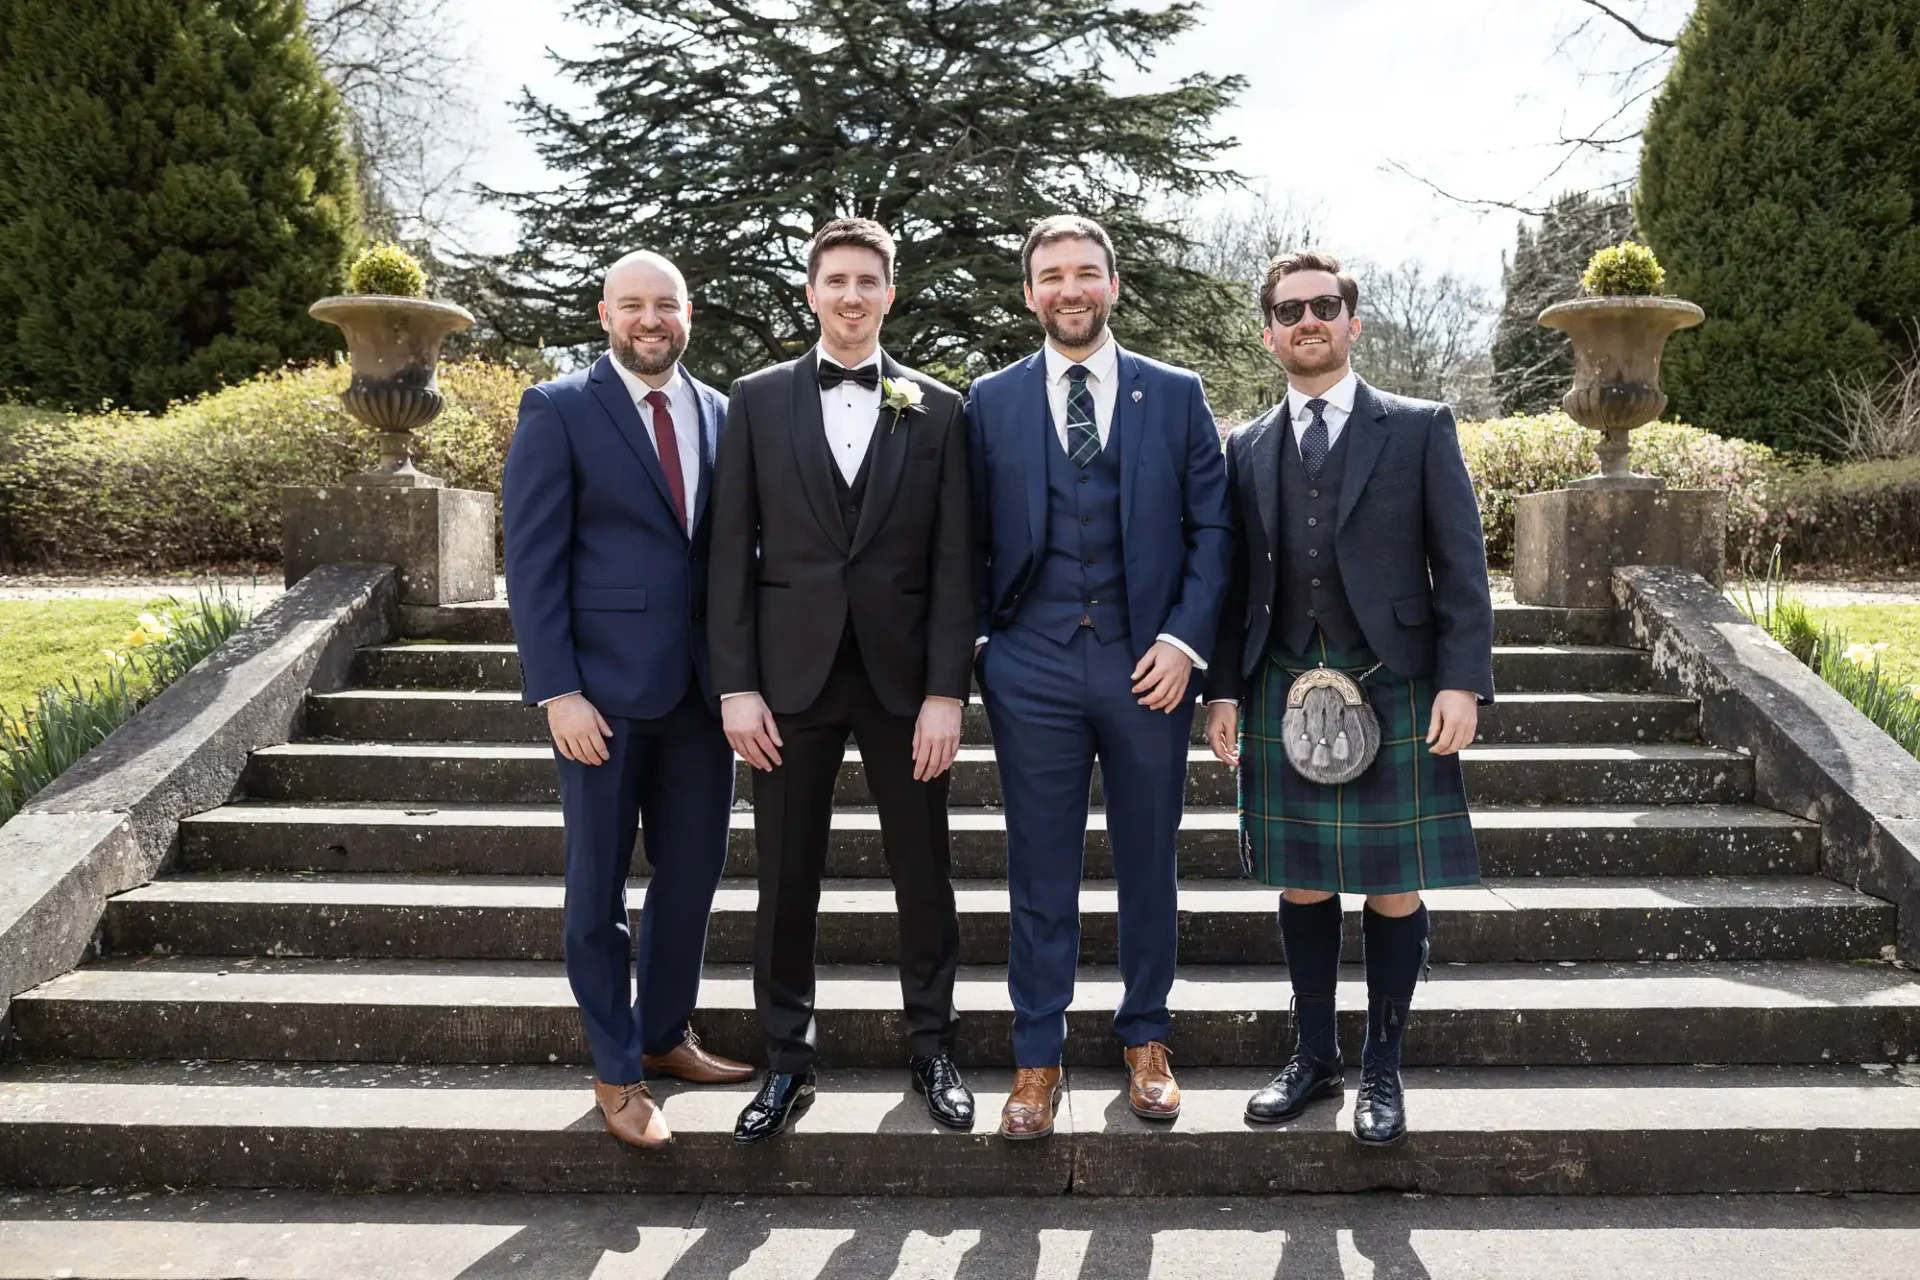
x,y
1625,269
390,270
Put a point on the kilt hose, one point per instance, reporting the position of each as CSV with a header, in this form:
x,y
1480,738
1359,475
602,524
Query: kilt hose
x,y
1399,827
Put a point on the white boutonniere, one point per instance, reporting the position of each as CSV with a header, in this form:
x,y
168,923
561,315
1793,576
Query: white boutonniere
x,y
899,395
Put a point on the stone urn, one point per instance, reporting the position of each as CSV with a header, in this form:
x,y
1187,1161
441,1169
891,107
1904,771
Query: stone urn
x,y
1617,343
394,344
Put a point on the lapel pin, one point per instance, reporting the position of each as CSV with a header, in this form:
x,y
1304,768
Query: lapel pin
x,y
1136,397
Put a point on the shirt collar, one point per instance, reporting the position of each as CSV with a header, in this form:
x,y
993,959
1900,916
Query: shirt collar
x,y
638,389
821,355
1339,396
1101,364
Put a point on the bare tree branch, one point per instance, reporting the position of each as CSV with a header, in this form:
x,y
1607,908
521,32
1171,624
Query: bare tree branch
x,y
1631,26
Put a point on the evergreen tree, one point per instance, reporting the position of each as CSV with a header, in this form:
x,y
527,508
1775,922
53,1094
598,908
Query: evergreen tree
x,y
1779,187
174,192
724,131
1533,366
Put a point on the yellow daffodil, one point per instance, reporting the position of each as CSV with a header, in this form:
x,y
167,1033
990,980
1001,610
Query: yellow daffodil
x,y
118,660
1913,691
1864,655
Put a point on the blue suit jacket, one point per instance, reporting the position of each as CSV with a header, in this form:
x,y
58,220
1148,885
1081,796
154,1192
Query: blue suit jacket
x,y
1408,535
1175,528
607,591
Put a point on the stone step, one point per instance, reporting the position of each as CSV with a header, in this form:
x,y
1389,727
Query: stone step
x,y
1635,1130
436,715
518,918
1676,840
438,1012
1516,668
486,622
504,773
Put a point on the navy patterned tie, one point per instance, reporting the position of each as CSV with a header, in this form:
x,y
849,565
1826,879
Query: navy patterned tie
x,y
1083,435
1313,441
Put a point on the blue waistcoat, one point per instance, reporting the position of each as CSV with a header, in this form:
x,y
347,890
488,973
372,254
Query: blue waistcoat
x,y
1308,589
1082,572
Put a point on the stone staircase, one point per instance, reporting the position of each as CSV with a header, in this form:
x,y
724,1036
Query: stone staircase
x,y
352,980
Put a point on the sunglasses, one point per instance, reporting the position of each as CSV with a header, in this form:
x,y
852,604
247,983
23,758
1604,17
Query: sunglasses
x,y
1325,307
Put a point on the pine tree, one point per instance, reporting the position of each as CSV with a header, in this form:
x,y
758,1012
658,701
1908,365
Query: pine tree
x,y
1532,366
1780,185
724,131
174,192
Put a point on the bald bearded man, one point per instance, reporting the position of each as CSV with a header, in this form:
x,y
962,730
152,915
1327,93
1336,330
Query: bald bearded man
x,y
605,510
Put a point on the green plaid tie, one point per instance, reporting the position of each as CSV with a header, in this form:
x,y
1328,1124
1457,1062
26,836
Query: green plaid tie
x,y
1083,436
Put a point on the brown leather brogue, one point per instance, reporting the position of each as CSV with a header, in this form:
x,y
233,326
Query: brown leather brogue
x,y
688,1061
1030,1107
632,1115
1152,1091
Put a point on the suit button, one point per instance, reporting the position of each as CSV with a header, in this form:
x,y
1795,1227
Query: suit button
x,y
1312,521
1309,613
1313,493
1313,555
1084,479
1089,564
1086,519
1316,582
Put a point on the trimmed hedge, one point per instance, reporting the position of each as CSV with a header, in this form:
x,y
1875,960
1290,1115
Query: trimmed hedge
x,y
200,484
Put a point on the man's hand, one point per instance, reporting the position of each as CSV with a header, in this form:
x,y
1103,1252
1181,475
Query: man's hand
x,y
579,731
750,730
1161,678
1456,715
1223,733
936,737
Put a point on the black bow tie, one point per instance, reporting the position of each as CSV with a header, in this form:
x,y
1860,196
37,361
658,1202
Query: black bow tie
x,y
832,375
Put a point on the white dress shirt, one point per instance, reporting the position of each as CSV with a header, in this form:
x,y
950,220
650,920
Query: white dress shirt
x,y
850,413
1103,380
1338,409
1334,413
685,412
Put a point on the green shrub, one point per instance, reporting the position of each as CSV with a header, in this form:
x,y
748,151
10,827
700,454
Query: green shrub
x,y
1508,457
387,269
1852,517
1623,270
200,484
1854,670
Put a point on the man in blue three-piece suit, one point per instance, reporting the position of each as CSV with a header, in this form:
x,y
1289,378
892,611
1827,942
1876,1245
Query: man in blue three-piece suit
x,y
606,533
1104,544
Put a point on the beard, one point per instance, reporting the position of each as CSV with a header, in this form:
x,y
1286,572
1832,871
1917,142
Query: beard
x,y
1077,331
628,353
1312,360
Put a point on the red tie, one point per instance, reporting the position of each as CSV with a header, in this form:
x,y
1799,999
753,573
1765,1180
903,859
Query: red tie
x,y
669,450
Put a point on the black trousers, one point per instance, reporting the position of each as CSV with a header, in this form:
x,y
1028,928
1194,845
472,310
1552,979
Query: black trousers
x,y
792,823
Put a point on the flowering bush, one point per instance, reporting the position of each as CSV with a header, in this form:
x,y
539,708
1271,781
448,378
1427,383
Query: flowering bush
x,y
1626,268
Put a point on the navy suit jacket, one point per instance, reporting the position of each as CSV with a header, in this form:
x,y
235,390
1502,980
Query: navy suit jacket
x,y
1412,553
1175,528
607,590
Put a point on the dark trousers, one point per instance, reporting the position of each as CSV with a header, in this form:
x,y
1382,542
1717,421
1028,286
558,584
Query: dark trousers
x,y
675,776
792,823
1055,709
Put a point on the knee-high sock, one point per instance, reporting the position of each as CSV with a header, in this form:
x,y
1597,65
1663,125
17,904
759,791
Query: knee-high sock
x,y
1396,954
1311,931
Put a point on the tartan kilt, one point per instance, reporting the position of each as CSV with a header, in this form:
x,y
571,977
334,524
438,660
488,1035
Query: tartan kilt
x,y
1400,826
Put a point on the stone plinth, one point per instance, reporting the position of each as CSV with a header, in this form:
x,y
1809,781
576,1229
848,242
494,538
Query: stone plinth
x,y
440,540
1568,542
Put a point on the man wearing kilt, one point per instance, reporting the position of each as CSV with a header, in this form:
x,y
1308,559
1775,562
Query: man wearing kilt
x,y
1357,547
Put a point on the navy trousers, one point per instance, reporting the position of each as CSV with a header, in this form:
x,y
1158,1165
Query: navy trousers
x,y
1055,709
673,779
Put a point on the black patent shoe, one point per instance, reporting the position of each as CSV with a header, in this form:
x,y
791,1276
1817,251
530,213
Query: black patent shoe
x,y
949,1101
783,1098
1301,1081
1380,1114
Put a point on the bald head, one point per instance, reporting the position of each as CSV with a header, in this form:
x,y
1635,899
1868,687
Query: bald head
x,y
645,311
646,273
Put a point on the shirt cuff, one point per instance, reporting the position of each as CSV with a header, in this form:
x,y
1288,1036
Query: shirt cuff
x,y
981,640
740,693
1181,645
556,697
1215,702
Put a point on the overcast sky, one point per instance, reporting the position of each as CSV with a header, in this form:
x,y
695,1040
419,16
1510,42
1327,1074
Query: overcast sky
x,y
1469,93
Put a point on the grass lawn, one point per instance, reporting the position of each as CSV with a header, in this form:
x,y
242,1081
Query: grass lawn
x,y
42,641
1897,624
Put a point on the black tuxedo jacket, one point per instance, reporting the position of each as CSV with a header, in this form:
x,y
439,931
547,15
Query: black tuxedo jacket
x,y
785,574
1411,549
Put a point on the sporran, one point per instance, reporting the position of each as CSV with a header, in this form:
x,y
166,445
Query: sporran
x,y
1330,730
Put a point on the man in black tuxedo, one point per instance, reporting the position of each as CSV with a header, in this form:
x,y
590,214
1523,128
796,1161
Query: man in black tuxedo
x,y
841,602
